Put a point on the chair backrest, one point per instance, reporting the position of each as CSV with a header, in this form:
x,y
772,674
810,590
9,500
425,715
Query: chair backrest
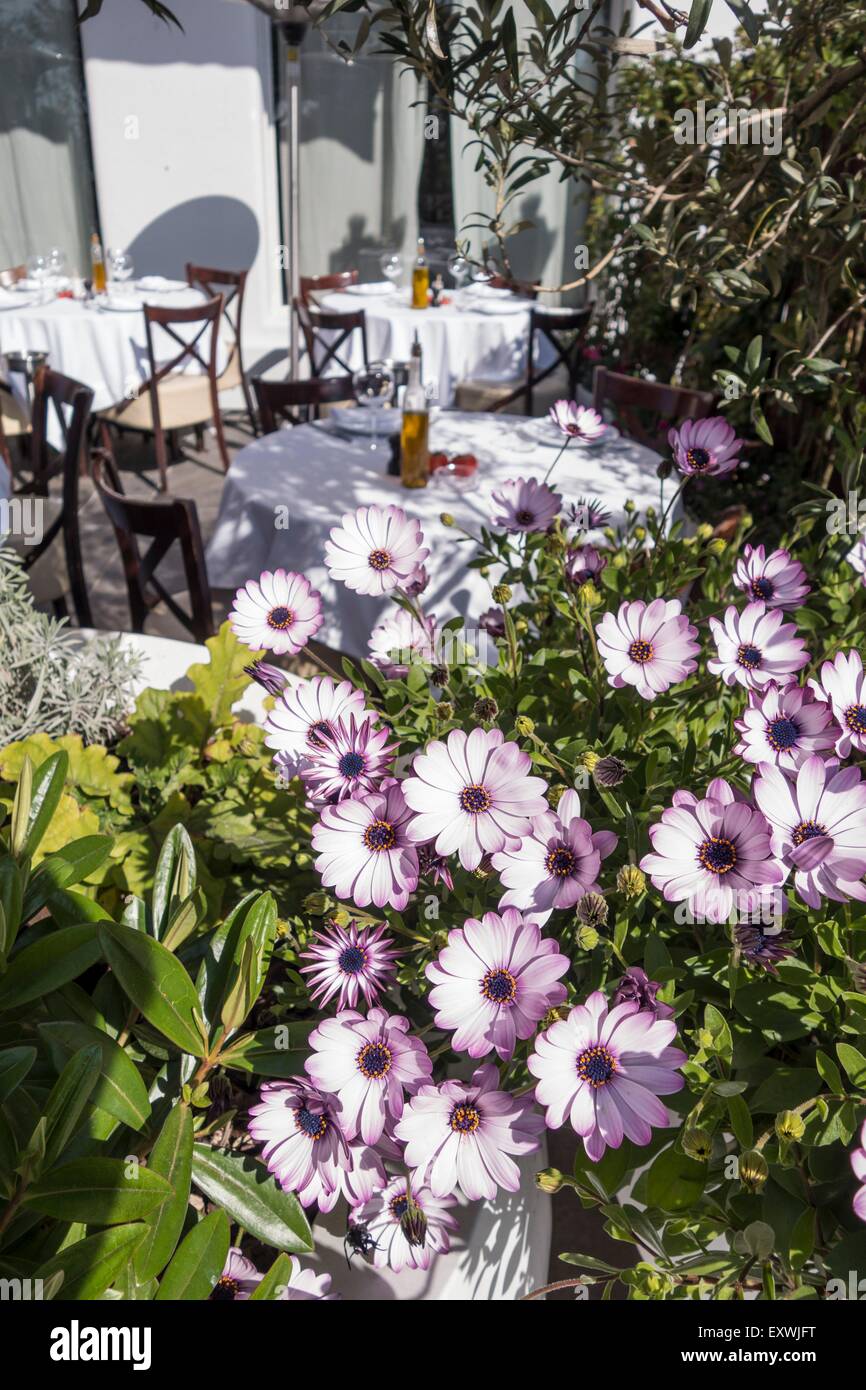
x,y
297,401
71,402
327,336
12,274
232,285
564,332
163,522
646,410
312,285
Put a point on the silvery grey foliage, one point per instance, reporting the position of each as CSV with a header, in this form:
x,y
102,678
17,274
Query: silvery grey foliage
x,y
51,681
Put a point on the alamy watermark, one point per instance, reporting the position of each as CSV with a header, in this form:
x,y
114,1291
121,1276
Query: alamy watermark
x,y
728,125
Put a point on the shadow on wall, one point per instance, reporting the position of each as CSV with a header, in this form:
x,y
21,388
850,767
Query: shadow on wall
x,y
213,231
361,250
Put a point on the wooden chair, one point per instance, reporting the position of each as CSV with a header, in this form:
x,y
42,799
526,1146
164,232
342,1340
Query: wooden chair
x,y
14,423
163,522
232,285
327,334
564,330
12,275
297,402
312,285
49,579
646,410
172,399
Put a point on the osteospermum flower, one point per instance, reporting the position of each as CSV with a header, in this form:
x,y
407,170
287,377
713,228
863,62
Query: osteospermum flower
x,y
238,1279
352,760
368,1064
856,557
305,1285
407,1227
858,1163
401,639
818,825
705,448
650,646
636,987
577,421
460,1135
375,549
280,611
556,863
303,1143
604,1069
842,684
270,678
714,854
763,947
351,962
583,563
784,725
776,579
755,647
364,851
493,982
472,795
304,713
524,504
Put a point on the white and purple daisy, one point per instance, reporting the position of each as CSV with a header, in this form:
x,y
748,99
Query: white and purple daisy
x,y
238,1280
776,579
462,1135
524,504
280,611
555,863
351,962
755,647
577,421
375,549
784,725
352,760
856,557
705,448
368,1064
858,1163
714,854
364,852
401,639
303,1143
472,795
408,1227
583,563
305,1285
842,683
307,711
818,827
493,982
650,646
604,1069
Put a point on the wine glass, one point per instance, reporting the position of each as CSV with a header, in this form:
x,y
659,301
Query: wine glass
x,y
120,266
55,263
458,269
392,267
373,389
37,271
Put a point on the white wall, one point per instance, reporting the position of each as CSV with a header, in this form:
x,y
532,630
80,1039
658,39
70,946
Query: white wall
x,y
183,145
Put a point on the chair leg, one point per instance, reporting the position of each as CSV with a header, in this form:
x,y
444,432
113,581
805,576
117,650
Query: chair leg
x,y
199,438
248,398
221,439
161,459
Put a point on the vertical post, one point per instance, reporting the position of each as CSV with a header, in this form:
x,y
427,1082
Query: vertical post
x,y
293,36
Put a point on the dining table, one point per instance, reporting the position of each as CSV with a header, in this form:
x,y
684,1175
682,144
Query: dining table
x,y
286,491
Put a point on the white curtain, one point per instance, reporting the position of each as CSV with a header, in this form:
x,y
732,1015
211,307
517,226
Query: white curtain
x,y
47,197
361,144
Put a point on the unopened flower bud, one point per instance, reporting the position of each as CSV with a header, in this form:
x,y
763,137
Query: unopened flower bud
x,y
316,904
589,595
340,917
639,533
549,1180
664,469
485,710
447,519
587,938
610,771
589,760
524,725
555,795
413,1224
704,532
270,678
717,546
631,881
592,910
439,675
502,593
754,1170
444,709
559,1011
790,1126
697,1144
629,506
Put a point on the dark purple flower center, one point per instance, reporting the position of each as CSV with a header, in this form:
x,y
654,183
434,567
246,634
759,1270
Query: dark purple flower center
x,y
855,718
596,1065
750,657
524,517
717,855
807,830
378,560
352,960
398,1207
560,862
465,1119
762,588
641,652
321,726
351,765
280,618
475,799
374,1061
380,836
782,734
225,1291
698,459
314,1126
499,986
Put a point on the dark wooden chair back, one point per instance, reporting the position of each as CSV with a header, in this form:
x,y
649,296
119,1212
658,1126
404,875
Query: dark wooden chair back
x,y
297,402
163,522
646,410
232,285
565,331
70,402
311,285
327,334
11,275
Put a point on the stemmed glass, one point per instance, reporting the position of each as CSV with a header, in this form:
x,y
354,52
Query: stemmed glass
x,y
55,263
392,267
120,266
458,269
37,270
373,389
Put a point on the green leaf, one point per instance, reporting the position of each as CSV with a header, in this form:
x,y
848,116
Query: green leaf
x,y
90,1266
803,1238
48,782
63,868
223,681
98,1192
15,1063
251,1196
254,918
278,1051
66,1101
829,1072
744,14
199,1261
276,1279
698,16
49,963
675,1181
157,984
174,880
171,1157
120,1089
741,1121
854,1063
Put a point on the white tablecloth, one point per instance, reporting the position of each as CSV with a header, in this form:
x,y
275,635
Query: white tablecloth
x,y
459,341
310,476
